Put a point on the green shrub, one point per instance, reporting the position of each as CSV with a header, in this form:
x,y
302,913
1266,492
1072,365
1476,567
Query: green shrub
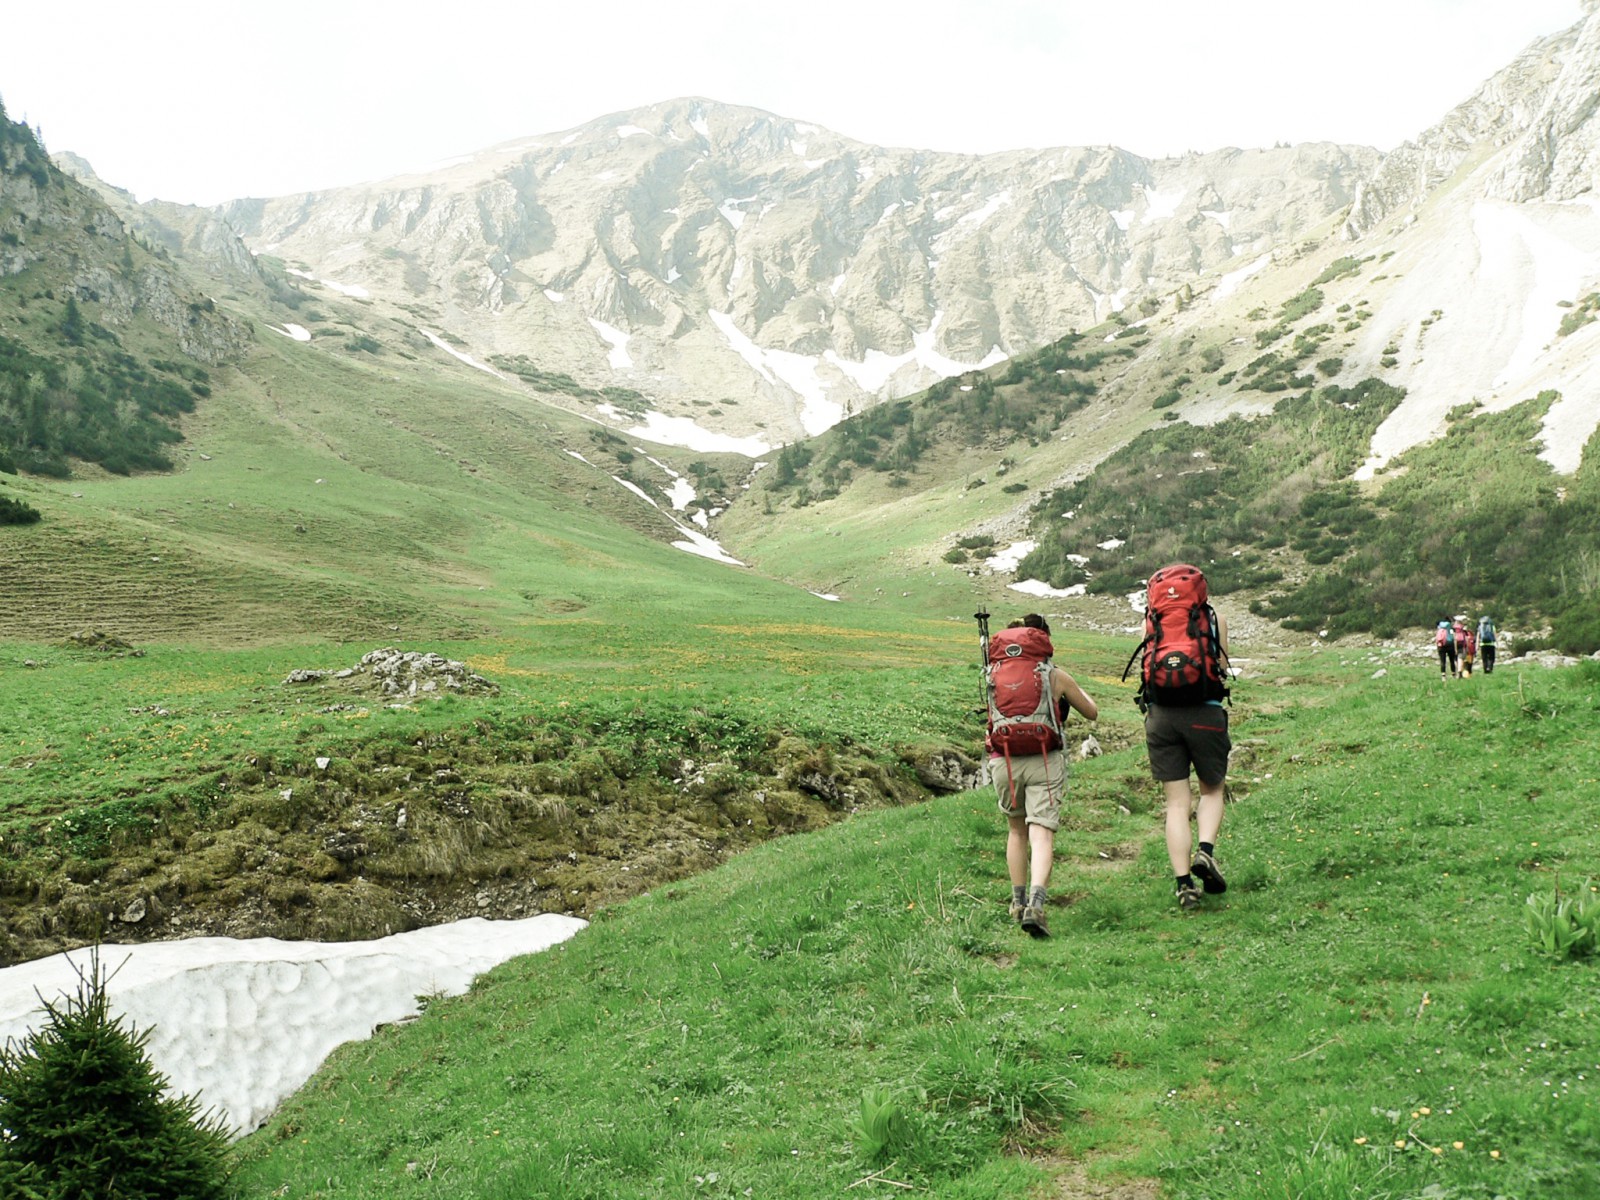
x,y
1338,269
87,1116
16,512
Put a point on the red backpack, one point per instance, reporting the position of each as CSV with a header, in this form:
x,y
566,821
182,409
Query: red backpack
x,y
1184,662
1022,709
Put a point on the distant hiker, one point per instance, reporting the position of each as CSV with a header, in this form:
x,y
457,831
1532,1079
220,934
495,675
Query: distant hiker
x,y
1469,649
1486,640
1444,640
1028,699
1182,684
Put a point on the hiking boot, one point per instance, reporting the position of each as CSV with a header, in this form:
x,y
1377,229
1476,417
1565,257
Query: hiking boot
x,y
1017,910
1205,869
1034,922
1188,896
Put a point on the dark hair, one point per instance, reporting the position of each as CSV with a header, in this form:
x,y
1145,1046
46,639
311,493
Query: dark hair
x,y
1035,621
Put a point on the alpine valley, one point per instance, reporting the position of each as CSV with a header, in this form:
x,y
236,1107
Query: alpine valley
x,y
536,532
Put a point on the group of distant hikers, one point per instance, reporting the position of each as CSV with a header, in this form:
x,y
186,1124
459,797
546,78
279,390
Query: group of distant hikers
x,y
1183,681
1459,643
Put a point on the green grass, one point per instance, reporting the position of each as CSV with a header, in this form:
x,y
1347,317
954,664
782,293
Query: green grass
x,y
1364,995
840,1011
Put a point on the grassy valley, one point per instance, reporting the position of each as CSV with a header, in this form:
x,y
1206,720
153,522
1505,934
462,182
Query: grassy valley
x,y
800,979
1366,1011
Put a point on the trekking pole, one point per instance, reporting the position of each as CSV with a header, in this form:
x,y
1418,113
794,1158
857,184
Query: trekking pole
x,y
983,656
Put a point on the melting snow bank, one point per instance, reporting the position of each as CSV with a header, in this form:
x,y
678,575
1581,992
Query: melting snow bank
x,y
454,353
1007,559
298,332
1038,587
243,1024
681,431
354,291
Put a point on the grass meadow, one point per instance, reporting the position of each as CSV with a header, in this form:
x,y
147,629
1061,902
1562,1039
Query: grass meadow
x,y
1363,1014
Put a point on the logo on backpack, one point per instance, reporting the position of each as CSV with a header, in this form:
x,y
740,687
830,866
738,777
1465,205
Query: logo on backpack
x,y
1022,709
1183,659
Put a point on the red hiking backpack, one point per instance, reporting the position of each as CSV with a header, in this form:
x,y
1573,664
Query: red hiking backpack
x,y
1184,662
1022,710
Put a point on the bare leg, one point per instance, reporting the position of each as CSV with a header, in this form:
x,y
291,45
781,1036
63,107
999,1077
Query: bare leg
x,y
1180,801
1043,843
1208,817
1017,851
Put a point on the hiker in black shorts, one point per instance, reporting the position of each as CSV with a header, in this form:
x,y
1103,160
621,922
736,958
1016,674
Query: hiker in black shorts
x,y
1177,738
1184,678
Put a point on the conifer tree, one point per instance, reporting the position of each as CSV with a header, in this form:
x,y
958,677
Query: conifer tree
x,y
83,1113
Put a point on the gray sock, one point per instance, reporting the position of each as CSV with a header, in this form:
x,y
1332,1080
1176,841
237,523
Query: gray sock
x,y
1036,900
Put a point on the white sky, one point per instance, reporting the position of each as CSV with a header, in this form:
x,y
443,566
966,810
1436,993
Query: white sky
x,y
196,101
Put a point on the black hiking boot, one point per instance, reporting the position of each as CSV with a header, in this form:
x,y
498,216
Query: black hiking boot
x,y
1205,869
1033,920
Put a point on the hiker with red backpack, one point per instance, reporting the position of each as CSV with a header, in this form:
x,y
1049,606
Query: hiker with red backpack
x,y
1182,684
1028,698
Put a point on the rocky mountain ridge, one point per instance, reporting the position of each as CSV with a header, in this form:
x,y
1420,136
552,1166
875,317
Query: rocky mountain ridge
x,y
53,223
745,280
699,251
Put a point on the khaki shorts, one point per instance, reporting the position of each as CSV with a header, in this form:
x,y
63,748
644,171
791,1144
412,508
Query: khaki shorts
x,y
1039,780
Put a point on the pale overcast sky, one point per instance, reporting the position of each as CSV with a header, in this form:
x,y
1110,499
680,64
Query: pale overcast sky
x,y
200,101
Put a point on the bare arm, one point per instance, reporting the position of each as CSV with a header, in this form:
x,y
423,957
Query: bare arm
x,y
1065,687
1222,631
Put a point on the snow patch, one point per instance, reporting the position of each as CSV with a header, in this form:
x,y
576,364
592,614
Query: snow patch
x,y
1037,587
996,203
344,289
875,370
796,371
731,214
554,297
1229,283
298,332
1161,205
618,356
681,431
242,1024
454,353
628,131
1007,559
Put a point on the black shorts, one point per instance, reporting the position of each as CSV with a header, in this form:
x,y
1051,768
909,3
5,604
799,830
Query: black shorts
x,y
1178,737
